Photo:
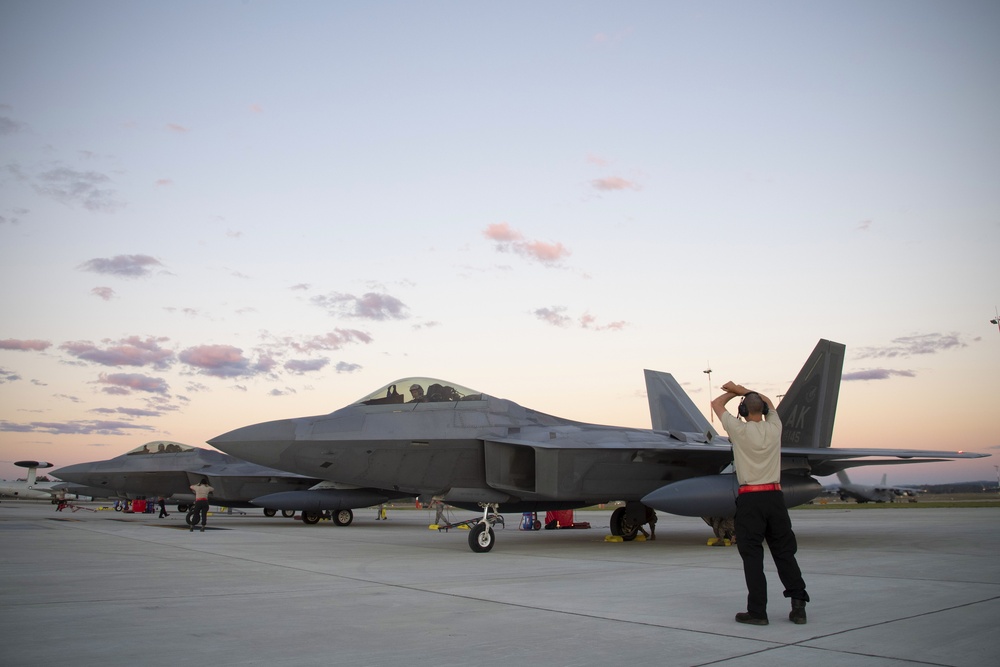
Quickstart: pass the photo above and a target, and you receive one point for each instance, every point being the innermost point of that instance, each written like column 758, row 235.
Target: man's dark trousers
column 761, row 516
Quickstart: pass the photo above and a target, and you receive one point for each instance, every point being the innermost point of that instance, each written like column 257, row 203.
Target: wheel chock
column 463, row 527
column 719, row 542
column 613, row 538
column 639, row 538
column 433, row 526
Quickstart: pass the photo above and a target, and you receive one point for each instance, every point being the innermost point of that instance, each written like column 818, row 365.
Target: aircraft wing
column 718, row 452
column 829, row 461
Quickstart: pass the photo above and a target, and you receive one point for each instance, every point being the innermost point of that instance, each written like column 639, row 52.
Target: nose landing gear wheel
column 481, row 538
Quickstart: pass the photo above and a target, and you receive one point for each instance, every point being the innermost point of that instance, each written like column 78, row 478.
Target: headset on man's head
column 743, row 409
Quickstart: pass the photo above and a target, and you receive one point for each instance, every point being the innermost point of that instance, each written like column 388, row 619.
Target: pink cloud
column 105, row 293
column 588, row 321
column 546, row 253
column 132, row 381
column 612, row 183
column 174, row 127
column 333, row 340
column 85, row 427
column 556, row 316
column 24, row 345
column 131, row 351
column 216, row 360
column 502, row 233
column 300, row 366
column 511, row 240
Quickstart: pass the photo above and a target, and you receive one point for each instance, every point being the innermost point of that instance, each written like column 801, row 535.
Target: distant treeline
column 960, row 487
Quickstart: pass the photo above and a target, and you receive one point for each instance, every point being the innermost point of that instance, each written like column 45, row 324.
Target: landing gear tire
column 310, row 518
column 269, row 512
column 191, row 518
column 343, row 517
column 481, row 538
column 622, row 526
column 288, row 514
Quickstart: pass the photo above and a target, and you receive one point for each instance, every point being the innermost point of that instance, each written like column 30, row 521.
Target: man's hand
column 734, row 388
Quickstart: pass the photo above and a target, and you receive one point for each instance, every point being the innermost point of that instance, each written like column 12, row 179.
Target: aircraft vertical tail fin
column 671, row 409
column 809, row 406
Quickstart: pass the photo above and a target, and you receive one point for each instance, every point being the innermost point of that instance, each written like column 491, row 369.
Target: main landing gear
column 625, row 521
column 339, row 517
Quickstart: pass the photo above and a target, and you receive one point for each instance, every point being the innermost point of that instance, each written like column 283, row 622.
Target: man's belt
column 754, row 488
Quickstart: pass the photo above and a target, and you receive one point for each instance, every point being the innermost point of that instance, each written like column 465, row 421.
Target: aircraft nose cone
column 259, row 443
column 74, row 473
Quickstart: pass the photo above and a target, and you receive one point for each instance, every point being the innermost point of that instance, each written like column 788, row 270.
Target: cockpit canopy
column 420, row 390
column 160, row 447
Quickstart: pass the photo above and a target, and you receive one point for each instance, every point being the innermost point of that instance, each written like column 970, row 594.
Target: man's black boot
column 798, row 613
column 747, row 617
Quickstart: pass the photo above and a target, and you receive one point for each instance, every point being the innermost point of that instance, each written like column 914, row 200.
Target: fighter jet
column 168, row 469
column 33, row 489
column 470, row 449
column 873, row 493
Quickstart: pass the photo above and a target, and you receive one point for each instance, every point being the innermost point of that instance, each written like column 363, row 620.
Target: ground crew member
column 760, row 506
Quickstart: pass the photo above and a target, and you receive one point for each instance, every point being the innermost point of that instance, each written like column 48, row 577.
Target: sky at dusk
column 219, row 213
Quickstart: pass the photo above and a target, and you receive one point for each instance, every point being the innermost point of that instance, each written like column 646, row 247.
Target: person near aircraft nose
column 163, row 507
column 651, row 522
column 201, row 491
column 761, row 514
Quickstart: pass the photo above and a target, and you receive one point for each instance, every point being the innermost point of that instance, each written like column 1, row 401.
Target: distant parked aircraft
column 168, row 469
column 31, row 488
column 877, row 493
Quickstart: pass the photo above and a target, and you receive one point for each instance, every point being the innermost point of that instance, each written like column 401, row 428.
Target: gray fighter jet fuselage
column 470, row 449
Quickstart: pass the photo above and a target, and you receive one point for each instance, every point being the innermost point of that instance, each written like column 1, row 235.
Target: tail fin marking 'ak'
column 809, row 406
column 673, row 411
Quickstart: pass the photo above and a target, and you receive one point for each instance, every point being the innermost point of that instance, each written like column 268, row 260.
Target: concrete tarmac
column 889, row 587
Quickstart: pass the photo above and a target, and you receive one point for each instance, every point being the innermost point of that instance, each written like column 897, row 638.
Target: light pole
column 711, row 412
